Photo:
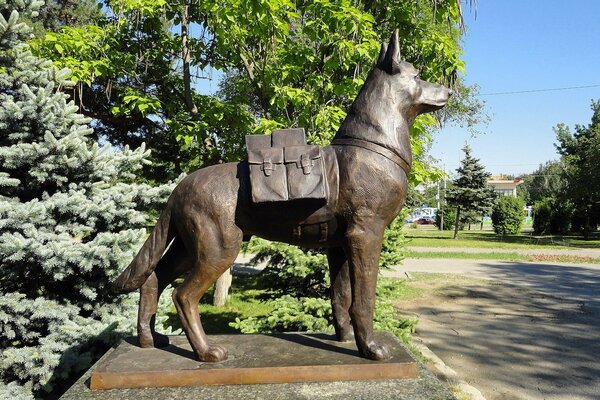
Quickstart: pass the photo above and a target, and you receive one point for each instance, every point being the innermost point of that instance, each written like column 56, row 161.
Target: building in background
column 504, row 187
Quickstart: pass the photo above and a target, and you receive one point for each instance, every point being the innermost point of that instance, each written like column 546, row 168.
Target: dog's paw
column 147, row 340
column 214, row 353
column 377, row 352
column 345, row 335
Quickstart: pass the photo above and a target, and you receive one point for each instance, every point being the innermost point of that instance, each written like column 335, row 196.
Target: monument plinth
column 255, row 359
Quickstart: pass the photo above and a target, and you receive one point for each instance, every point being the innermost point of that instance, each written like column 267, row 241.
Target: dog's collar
column 387, row 153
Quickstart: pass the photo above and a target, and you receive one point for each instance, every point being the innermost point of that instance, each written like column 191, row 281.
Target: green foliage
column 542, row 216
column 552, row 216
column 71, row 217
column 449, row 214
column 290, row 270
column 507, row 215
column 470, row 192
column 546, row 181
column 580, row 152
column 305, row 273
column 393, row 248
column 386, row 318
column 314, row 315
column 285, row 64
column 290, row 314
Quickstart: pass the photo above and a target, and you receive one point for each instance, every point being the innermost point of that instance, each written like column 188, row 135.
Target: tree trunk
column 481, row 226
column 222, row 286
column 185, row 50
column 456, row 221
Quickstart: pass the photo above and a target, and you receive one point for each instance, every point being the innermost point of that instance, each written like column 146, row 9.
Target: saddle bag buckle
column 268, row 167
column 306, row 164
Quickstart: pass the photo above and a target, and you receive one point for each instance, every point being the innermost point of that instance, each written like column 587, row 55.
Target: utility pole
column 443, row 199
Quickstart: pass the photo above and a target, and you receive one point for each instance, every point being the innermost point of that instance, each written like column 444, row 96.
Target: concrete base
column 293, row 358
column 285, row 358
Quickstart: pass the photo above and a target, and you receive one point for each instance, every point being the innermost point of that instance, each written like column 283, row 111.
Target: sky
column 519, row 45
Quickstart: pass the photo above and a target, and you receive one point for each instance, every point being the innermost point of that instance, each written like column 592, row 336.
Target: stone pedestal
column 287, row 366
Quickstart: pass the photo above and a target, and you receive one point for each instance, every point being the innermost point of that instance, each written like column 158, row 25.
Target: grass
column 503, row 256
column 247, row 300
column 431, row 237
column 472, row 256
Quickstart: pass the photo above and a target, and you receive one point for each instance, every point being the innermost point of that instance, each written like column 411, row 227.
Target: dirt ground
column 510, row 338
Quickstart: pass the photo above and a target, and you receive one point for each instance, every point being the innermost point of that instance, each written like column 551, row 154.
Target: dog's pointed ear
column 391, row 60
column 382, row 52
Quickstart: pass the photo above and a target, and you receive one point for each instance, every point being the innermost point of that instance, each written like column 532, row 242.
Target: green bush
column 314, row 315
column 552, row 216
column 542, row 215
column 306, row 314
column 305, row 273
column 449, row 213
column 507, row 215
column 291, row 270
column 301, row 278
column 393, row 249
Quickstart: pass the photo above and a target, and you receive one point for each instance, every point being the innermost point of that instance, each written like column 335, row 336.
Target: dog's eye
column 417, row 76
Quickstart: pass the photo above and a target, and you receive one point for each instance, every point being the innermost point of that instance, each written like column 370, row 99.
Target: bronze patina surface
column 211, row 212
column 254, row 359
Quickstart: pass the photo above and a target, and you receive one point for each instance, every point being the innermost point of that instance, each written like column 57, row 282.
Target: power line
column 540, row 90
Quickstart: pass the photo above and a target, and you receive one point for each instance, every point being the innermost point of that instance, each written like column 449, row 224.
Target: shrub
column 290, row 270
column 542, row 215
column 449, row 213
column 393, row 249
column 301, row 278
column 306, row 314
column 314, row 315
column 305, row 273
column 507, row 215
column 552, row 216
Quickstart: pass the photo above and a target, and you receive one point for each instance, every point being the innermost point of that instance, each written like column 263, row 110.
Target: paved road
column 524, row 331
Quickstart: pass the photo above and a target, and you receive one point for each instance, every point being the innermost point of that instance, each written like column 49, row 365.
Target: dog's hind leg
column 215, row 249
column 171, row 266
column 341, row 293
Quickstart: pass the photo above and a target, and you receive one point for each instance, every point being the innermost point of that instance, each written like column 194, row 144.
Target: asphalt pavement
column 519, row 330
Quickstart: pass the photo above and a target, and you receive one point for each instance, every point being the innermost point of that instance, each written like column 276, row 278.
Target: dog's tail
column 148, row 257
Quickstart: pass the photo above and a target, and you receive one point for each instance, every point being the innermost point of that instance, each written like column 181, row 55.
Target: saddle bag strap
column 306, row 164
column 387, row 153
column 267, row 167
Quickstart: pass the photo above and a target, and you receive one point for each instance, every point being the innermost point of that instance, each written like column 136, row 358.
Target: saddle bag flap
column 254, row 142
column 267, row 174
column 305, row 168
column 288, row 137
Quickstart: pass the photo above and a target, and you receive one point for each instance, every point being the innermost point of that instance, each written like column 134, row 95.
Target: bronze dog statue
column 210, row 213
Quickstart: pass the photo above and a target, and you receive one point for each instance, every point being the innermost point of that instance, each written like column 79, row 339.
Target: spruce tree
column 71, row 217
column 470, row 192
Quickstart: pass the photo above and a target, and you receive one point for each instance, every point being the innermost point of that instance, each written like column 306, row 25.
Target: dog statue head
column 392, row 96
column 413, row 95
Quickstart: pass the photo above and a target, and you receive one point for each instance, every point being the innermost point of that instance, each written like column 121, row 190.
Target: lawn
column 429, row 236
column 249, row 299
column 503, row 256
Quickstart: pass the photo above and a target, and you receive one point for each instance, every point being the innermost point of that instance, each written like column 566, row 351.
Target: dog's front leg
column 363, row 246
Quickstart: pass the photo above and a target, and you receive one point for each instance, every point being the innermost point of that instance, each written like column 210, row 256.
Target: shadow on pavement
column 531, row 333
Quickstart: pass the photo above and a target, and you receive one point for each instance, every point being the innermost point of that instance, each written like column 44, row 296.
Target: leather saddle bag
column 284, row 168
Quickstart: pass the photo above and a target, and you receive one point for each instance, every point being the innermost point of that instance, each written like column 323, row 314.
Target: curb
column 444, row 372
